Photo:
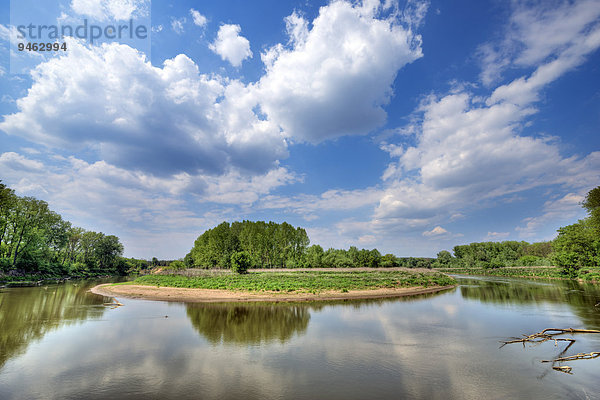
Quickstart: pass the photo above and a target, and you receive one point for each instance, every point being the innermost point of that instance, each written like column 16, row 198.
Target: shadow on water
column 582, row 298
column 29, row 313
column 256, row 323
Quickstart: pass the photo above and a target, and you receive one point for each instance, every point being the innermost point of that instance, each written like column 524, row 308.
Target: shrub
column 177, row 265
column 240, row 262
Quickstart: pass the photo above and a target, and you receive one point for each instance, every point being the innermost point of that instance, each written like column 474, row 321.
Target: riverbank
column 281, row 285
column 43, row 279
column 584, row 274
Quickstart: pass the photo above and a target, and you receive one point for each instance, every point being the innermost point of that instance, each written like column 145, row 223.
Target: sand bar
column 214, row 295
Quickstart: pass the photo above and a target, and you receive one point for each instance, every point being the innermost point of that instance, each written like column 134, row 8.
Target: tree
column 444, row 259
column 576, row 246
column 314, row 256
column 240, row 262
column 592, row 205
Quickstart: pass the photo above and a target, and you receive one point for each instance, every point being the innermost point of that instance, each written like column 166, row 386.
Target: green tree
column 576, row 246
column 314, row 256
column 592, row 205
column 444, row 259
column 240, row 262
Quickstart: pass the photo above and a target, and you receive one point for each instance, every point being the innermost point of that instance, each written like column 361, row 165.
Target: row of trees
column 496, row 254
column 272, row 245
column 575, row 247
column 35, row 239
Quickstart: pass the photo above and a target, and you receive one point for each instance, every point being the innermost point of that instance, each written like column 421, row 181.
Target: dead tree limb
column 580, row 356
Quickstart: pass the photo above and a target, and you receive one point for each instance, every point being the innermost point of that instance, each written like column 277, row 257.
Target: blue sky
column 406, row 126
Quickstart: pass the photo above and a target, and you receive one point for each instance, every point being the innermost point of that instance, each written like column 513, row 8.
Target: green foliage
column 314, row 256
column 444, row 259
column 489, row 254
column 268, row 245
column 592, row 205
column 177, row 265
column 576, row 246
column 304, row 282
column 240, row 262
column 532, row 261
column 36, row 240
column 538, row 249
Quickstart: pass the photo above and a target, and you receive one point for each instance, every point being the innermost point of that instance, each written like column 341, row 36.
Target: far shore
column 220, row 296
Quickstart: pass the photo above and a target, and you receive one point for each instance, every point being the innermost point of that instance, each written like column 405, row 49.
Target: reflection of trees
column 27, row 314
column 581, row 297
column 266, row 322
column 248, row 323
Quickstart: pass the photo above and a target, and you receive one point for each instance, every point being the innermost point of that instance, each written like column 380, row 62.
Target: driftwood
column 565, row 369
column 550, row 334
column 114, row 304
column 580, row 356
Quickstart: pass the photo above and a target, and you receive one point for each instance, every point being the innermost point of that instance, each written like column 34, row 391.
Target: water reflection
column 249, row 323
column 255, row 323
column 580, row 297
column 27, row 314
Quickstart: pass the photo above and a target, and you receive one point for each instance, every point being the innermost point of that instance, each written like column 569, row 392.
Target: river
column 62, row 342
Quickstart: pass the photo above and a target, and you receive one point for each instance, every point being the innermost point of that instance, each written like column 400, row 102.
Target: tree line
column 576, row 246
column 273, row 245
column 37, row 240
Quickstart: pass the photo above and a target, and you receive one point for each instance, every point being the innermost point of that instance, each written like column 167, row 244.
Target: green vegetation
column 575, row 251
column 272, row 245
column 299, row 281
column 36, row 243
column 240, row 262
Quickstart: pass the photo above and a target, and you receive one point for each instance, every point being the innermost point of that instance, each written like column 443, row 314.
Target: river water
column 61, row 342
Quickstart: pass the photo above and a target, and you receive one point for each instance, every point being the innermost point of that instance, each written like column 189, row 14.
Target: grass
column 585, row 274
column 301, row 281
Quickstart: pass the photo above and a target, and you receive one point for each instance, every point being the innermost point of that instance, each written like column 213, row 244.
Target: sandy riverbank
column 212, row 295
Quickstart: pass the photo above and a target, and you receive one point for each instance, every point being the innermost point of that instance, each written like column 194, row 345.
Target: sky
column 406, row 126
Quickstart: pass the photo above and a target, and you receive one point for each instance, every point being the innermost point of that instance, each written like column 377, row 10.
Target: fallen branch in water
column 580, row 356
column 565, row 369
column 549, row 334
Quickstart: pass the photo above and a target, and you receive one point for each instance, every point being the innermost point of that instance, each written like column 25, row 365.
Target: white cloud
column 562, row 210
column 471, row 150
column 11, row 160
column 335, row 78
column 231, row 46
column 494, row 236
column 437, row 231
column 535, row 34
column 157, row 120
column 177, row 25
column 198, row 18
column 103, row 10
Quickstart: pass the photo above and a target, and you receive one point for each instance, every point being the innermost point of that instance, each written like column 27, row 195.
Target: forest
column 37, row 240
column 576, row 246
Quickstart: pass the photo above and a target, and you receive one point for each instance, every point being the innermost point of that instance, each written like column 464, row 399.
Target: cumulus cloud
column 198, row 18
column 335, row 78
column 470, row 149
column 231, row 46
column 168, row 122
column 103, row 10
